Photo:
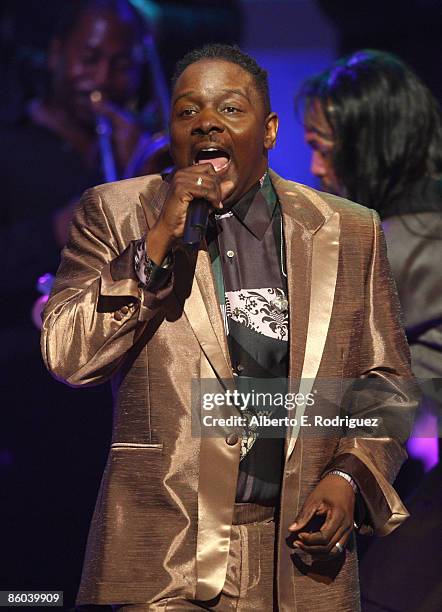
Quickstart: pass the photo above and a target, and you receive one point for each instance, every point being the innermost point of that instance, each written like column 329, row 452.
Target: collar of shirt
column 256, row 208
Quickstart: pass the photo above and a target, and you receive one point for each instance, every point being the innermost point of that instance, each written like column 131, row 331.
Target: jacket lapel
column 204, row 315
column 218, row 461
column 311, row 232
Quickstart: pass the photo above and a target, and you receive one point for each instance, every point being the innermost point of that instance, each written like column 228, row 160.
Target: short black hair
column 72, row 11
column 228, row 53
column 386, row 124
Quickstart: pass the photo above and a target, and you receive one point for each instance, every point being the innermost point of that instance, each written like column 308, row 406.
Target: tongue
column 218, row 163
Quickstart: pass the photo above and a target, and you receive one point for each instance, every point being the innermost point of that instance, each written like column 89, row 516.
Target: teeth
column 213, row 150
column 213, row 155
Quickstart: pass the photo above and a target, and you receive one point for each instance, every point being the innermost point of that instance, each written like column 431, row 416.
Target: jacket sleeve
column 384, row 390
column 97, row 311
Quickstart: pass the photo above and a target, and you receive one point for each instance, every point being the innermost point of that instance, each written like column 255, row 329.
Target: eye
column 324, row 150
column 230, row 110
column 187, row 112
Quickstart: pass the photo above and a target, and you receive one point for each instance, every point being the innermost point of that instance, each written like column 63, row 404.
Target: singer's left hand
column 334, row 499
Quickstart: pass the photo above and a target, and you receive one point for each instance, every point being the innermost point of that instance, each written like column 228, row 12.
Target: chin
column 83, row 116
column 232, row 199
column 330, row 189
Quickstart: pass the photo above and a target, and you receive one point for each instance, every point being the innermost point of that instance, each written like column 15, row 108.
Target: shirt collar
column 256, row 208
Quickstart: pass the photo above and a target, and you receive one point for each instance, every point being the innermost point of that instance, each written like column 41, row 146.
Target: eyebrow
column 325, row 136
column 226, row 91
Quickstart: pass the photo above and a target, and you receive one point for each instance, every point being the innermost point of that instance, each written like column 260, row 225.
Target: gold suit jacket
column 163, row 516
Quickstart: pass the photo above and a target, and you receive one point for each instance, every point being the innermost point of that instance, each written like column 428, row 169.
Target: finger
column 226, row 186
column 192, row 173
column 200, row 182
column 334, row 520
column 316, row 538
column 206, row 189
column 341, row 536
column 330, row 548
column 303, row 517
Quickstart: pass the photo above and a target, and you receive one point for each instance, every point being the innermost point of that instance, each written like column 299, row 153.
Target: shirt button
column 230, row 254
column 232, row 439
column 124, row 309
column 118, row 316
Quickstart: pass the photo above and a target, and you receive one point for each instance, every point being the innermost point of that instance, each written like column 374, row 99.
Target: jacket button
column 232, row 439
column 124, row 309
column 118, row 316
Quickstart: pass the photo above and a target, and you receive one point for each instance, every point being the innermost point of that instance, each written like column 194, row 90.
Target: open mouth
column 219, row 158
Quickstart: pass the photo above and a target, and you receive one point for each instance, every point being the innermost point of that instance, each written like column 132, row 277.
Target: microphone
column 199, row 209
column 103, row 127
column 104, row 131
column 196, row 223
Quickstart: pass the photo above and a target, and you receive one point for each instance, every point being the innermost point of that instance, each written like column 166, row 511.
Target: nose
column 102, row 75
column 317, row 165
column 207, row 121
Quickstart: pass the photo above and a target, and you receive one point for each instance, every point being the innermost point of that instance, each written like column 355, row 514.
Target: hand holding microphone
column 196, row 221
column 198, row 211
column 199, row 184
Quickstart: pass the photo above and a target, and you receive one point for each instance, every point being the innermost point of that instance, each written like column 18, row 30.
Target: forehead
column 95, row 28
column 316, row 121
column 213, row 76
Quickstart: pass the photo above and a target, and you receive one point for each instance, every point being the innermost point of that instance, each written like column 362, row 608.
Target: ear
column 271, row 129
column 54, row 54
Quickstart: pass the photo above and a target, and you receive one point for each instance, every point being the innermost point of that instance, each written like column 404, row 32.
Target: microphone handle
column 196, row 223
column 104, row 131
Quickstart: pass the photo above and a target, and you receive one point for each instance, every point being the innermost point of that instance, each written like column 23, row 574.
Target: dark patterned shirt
column 246, row 248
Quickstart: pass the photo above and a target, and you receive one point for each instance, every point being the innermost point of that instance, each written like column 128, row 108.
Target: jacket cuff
column 152, row 276
column 378, row 509
column 120, row 283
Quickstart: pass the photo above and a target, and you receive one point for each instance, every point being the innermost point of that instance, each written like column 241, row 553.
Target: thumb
column 303, row 518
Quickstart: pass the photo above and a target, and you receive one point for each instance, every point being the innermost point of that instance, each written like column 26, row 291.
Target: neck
column 251, row 192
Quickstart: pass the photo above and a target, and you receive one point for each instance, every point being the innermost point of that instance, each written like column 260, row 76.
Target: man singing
column 288, row 283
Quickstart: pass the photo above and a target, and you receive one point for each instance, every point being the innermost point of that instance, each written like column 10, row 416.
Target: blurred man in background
column 98, row 74
column 376, row 136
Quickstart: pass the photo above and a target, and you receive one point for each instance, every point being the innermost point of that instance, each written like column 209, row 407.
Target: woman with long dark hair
column 376, row 136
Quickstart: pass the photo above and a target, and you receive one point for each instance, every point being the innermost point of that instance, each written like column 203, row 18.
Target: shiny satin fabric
column 324, row 266
column 248, row 586
column 162, row 522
